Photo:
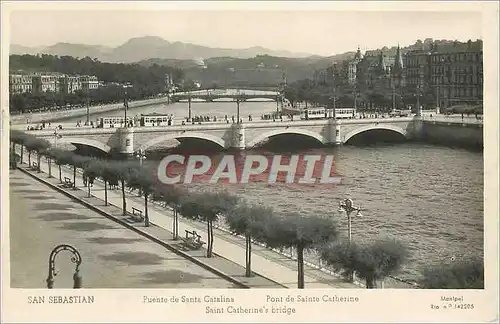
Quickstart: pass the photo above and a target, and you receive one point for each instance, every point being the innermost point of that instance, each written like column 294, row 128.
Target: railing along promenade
column 310, row 258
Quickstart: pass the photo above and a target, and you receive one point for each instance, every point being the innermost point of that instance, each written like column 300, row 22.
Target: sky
column 317, row 30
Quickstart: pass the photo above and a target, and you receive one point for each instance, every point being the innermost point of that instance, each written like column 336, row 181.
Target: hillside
column 143, row 48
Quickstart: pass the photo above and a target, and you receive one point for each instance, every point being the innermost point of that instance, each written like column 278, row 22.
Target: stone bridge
column 239, row 136
column 214, row 94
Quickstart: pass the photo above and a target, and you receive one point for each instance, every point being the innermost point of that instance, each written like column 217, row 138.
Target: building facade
column 352, row 67
column 89, row 82
column 20, row 83
column 69, row 84
column 45, row 83
column 447, row 74
column 55, row 82
column 452, row 74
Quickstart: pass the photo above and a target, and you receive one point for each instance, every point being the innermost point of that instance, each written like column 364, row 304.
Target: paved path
column 113, row 256
column 265, row 262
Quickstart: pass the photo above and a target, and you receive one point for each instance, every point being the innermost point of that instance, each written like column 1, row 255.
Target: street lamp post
column 125, row 102
column 189, row 106
column 393, row 98
column 333, row 114
column 355, row 99
column 237, row 109
column 419, row 112
column 56, row 136
column 88, row 108
column 348, row 207
column 277, row 103
column 76, row 259
column 141, row 155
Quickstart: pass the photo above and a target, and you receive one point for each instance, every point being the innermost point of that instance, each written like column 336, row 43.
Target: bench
column 67, row 183
column 137, row 215
column 192, row 240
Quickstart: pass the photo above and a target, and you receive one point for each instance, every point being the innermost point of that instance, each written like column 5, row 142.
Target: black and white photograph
column 327, row 151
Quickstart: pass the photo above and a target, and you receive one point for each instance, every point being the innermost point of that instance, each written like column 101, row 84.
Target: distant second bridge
column 226, row 94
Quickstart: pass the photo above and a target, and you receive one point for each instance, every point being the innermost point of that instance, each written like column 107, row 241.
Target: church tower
column 381, row 64
column 398, row 69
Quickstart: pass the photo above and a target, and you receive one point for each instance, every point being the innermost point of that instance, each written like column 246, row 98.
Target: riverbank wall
column 53, row 116
column 452, row 134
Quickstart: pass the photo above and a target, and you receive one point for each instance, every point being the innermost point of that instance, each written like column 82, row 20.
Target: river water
column 429, row 197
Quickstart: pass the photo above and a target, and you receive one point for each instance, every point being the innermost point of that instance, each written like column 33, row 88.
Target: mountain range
column 143, row 48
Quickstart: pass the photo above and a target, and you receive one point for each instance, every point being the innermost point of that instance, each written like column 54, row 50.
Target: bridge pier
column 126, row 140
column 333, row 133
column 238, row 136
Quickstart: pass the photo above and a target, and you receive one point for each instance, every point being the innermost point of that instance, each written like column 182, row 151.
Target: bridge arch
column 85, row 141
column 297, row 131
column 367, row 128
column 214, row 139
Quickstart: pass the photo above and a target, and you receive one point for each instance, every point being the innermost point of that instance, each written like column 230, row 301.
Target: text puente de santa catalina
column 128, row 140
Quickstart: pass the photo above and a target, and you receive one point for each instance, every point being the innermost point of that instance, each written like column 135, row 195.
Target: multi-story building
column 45, row 83
column 53, row 82
column 169, row 81
column 69, row 84
column 20, row 83
column 89, row 82
column 375, row 70
column 453, row 74
column 352, row 67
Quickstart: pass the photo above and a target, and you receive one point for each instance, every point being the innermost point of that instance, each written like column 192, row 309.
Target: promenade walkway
column 265, row 262
column 112, row 255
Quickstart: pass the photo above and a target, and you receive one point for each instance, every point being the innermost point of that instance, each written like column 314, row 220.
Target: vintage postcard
column 249, row 162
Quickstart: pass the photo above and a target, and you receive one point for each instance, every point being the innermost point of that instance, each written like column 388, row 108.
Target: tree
column 463, row 274
column 61, row 157
column 20, row 138
column 121, row 172
column 38, row 145
column 78, row 162
column 142, row 179
column 92, row 169
column 370, row 261
column 13, row 159
column 108, row 175
column 208, row 207
column 248, row 220
column 171, row 195
column 146, row 81
column 293, row 230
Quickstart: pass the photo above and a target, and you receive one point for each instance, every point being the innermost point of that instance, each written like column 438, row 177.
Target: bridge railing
column 453, row 119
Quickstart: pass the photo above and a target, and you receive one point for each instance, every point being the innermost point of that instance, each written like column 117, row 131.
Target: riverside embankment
column 266, row 263
column 52, row 116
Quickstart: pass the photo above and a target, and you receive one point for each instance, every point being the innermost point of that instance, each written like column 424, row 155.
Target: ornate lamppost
column 56, row 136
column 75, row 258
column 125, row 102
column 238, row 107
column 141, row 155
column 418, row 95
column 189, row 106
column 348, row 207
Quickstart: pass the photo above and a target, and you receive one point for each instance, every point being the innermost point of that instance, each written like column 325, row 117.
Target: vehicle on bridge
column 400, row 113
column 156, row 119
column 323, row 113
column 111, row 122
